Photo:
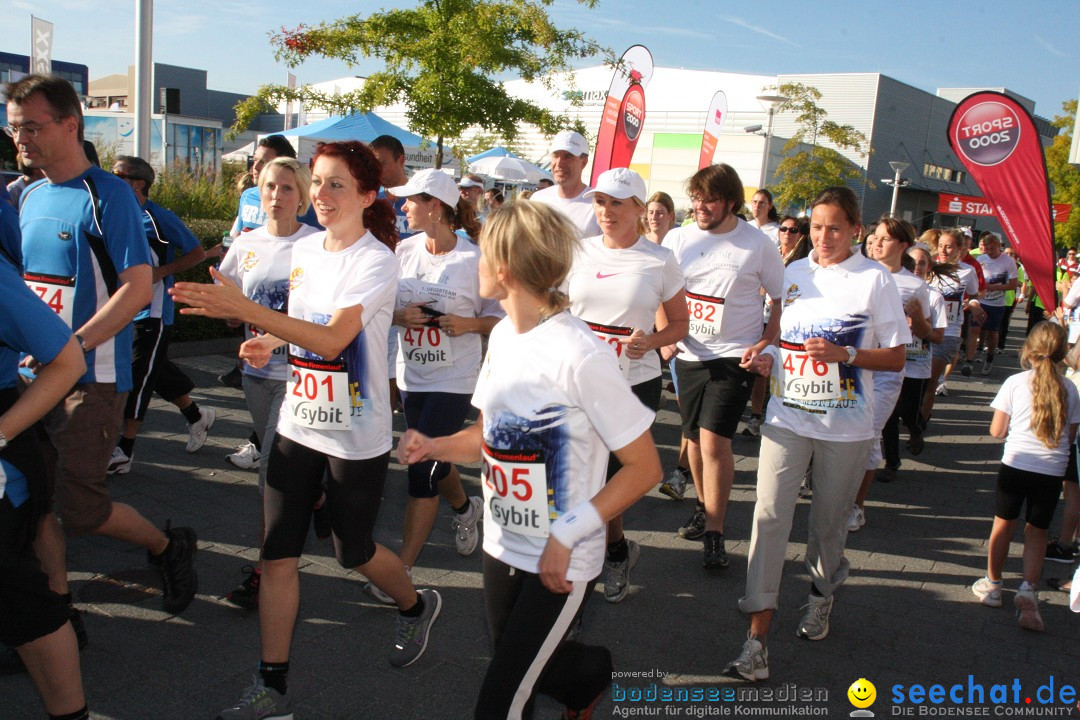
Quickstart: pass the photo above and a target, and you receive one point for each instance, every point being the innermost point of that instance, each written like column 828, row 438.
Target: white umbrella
column 508, row 168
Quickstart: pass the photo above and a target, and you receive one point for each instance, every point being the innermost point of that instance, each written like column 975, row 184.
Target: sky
column 1029, row 48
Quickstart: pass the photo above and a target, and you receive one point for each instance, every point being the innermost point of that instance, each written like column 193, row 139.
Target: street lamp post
column 144, row 34
column 898, row 168
column 769, row 103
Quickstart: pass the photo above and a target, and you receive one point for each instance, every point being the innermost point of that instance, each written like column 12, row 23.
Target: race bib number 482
column 803, row 378
column 515, row 490
column 55, row 291
column 705, row 314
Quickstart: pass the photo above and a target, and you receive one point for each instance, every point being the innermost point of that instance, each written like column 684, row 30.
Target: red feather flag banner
column 624, row 111
column 996, row 139
column 713, row 122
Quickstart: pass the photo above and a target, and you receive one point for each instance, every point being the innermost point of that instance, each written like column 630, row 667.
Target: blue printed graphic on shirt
column 839, row 331
column 399, row 214
column 251, row 215
column 544, row 433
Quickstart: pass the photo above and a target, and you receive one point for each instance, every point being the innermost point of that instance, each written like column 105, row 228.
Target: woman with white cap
column 439, row 318
column 623, row 286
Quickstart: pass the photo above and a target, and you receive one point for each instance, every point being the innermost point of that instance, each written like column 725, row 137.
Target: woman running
column 335, row 420
column 842, row 319
column 552, row 402
column 659, row 216
column 959, row 285
column 622, row 286
column 1036, row 412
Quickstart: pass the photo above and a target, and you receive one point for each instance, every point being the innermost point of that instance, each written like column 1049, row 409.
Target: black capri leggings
column 293, row 485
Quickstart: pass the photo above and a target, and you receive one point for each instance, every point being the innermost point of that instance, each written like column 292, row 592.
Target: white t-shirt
column 771, row 229
column 1072, row 298
column 725, row 273
column 429, row 360
column 851, row 303
column 260, row 263
column 616, row 291
column 917, row 351
column 550, row 396
column 955, row 293
column 321, row 392
column 1023, row 450
column 997, row 271
column 579, row 209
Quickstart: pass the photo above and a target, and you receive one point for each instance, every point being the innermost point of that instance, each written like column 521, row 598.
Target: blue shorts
column 436, row 414
column 993, row 317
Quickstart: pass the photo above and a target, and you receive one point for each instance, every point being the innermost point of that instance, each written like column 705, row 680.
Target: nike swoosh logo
column 601, row 276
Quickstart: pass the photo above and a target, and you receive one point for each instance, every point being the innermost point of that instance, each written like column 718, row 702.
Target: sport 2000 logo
column 988, row 133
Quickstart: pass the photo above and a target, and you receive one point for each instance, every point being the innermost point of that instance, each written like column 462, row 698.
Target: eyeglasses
column 14, row 131
column 788, row 229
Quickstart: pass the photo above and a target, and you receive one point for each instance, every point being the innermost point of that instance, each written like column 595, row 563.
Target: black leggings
column 908, row 406
column 528, row 623
column 294, row 484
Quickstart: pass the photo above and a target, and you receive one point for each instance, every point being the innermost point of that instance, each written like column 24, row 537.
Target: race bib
column 612, row 334
column 318, row 395
column 515, row 490
column 952, row 311
column 426, row 348
column 55, row 291
column 705, row 314
column 803, row 378
column 916, row 350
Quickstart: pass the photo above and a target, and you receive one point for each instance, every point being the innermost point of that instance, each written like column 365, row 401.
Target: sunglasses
column 122, row 176
column 789, row 229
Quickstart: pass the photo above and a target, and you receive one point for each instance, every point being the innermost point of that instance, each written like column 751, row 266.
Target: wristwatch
column 3, row 441
column 82, row 343
column 851, row 353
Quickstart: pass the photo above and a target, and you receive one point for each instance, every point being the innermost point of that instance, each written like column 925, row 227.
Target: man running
column 569, row 156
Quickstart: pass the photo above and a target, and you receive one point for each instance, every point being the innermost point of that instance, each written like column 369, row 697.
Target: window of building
column 937, row 172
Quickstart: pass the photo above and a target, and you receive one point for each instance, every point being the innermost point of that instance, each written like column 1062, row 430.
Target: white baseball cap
column 619, row 183
column 434, row 182
column 570, row 141
column 468, row 182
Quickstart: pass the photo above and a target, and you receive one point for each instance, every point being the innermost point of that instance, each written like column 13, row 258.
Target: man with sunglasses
column 85, row 255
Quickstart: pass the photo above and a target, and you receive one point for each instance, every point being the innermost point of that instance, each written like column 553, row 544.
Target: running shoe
column 752, row 663
column 753, row 428
column 233, row 379
column 617, row 574
column 674, row 485
column 942, row 389
column 965, row 369
column 715, row 556
column 886, row 474
column 987, row 366
column 804, row 488
column 857, row 519
column 246, row 594
column 120, row 463
column 1056, row 553
column 259, row 703
column 466, row 532
column 246, row 457
column 1026, row 602
column 413, row 633
column 915, row 444
column 694, row 529
column 197, row 430
column 177, row 568
column 989, row 593
column 373, row 590
column 815, row 623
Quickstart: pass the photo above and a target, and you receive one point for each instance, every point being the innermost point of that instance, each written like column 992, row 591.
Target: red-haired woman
column 336, row 418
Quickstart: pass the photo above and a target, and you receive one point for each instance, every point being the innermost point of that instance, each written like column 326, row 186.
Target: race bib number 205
column 515, row 490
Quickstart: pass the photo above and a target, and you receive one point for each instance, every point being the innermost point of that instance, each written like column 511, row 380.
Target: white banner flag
column 41, row 40
column 291, row 84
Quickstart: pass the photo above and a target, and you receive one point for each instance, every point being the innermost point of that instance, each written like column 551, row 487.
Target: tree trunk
column 438, row 153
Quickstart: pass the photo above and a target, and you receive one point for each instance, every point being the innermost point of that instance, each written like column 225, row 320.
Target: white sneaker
column 466, row 533
column 1026, row 602
column 371, row 589
column 942, row 389
column 120, row 463
column 988, row 592
column 197, row 431
column 815, row 623
column 857, row 519
column 752, row 663
column 246, row 457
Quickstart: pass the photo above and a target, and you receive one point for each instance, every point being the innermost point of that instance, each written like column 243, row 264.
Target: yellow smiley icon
column 862, row 693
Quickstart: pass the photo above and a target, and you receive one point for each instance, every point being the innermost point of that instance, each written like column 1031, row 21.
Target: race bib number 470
column 803, row 378
column 705, row 314
column 318, row 394
column 55, row 291
column 426, row 348
column 515, row 490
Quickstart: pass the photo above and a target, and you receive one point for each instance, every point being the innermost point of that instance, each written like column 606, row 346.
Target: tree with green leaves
column 803, row 173
column 1065, row 178
column 441, row 60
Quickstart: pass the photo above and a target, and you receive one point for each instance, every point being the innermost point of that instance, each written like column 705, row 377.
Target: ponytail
column 381, row 221
column 1046, row 346
column 464, row 215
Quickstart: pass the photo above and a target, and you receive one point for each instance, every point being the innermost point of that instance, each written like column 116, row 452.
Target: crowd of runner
column 362, row 291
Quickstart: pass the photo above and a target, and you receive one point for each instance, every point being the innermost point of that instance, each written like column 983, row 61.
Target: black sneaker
column 886, row 474
column 233, row 379
column 177, row 568
column 246, row 594
column 965, row 369
column 715, row 557
column 694, row 529
column 1059, row 554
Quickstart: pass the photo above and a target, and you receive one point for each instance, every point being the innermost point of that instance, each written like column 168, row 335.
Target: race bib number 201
column 515, row 490
column 804, row 378
column 318, row 394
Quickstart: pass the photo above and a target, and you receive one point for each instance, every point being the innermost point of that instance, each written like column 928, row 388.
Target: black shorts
column 1039, row 492
column 28, row 608
column 151, row 369
column 1071, row 474
column 648, row 393
column 294, row 484
column 712, row 395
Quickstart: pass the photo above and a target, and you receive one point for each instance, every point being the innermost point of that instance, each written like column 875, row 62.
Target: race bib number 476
column 515, row 490
column 803, row 378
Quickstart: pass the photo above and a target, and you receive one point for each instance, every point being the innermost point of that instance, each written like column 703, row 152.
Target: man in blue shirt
column 85, row 255
column 151, row 368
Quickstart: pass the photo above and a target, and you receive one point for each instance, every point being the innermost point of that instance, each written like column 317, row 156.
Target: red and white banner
column 713, row 122
column 624, row 111
column 996, row 139
column 952, row 204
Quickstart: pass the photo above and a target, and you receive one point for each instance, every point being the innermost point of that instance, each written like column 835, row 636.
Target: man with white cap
column 569, row 156
column 471, row 189
column 726, row 262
